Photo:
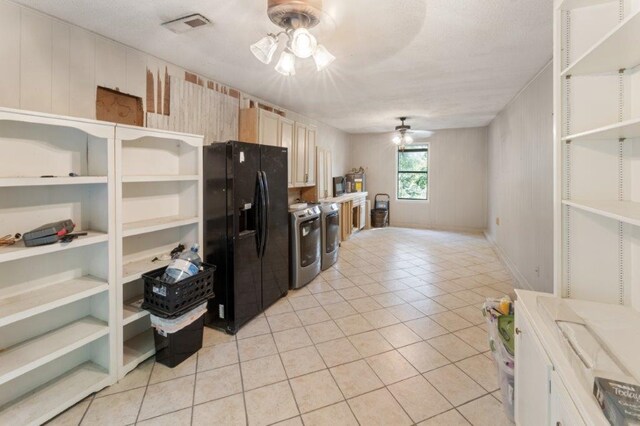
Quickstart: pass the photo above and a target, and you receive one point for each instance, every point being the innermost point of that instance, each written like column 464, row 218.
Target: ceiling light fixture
column 404, row 134
column 295, row 17
column 287, row 63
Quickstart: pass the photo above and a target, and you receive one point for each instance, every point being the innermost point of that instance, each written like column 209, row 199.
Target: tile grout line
column 244, row 396
column 195, row 384
column 145, row 392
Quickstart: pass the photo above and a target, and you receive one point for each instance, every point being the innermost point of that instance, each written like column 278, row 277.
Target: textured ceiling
column 447, row 63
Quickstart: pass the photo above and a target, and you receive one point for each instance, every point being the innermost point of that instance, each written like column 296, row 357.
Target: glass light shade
column 322, row 57
column 264, row 49
column 407, row 139
column 303, row 43
column 287, row 63
column 397, row 139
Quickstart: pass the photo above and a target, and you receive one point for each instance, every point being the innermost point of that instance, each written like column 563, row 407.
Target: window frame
column 423, row 147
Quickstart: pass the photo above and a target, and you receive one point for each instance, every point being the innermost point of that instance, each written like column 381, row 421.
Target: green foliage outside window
column 413, row 173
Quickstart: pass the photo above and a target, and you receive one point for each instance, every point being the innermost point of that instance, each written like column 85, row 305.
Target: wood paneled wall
column 521, row 183
column 457, row 179
column 51, row 66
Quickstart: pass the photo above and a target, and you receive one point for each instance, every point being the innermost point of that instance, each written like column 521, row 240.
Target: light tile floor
column 391, row 335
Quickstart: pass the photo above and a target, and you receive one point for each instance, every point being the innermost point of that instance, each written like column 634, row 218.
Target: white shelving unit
column 158, row 177
column 597, row 104
column 57, row 302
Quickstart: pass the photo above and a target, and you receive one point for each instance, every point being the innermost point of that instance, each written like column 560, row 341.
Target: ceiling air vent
column 186, row 23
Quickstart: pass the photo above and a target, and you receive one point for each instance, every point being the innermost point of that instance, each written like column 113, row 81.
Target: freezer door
column 275, row 260
column 247, row 269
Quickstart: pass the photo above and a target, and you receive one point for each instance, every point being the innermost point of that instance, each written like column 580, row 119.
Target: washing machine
column 305, row 235
column 330, row 241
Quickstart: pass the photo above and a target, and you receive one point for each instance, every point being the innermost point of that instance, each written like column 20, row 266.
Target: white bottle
column 184, row 266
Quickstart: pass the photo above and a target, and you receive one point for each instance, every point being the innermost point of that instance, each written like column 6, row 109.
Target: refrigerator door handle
column 265, row 213
column 258, row 214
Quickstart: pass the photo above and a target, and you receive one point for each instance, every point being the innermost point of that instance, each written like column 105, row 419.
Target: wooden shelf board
column 156, row 224
column 33, row 353
column 134, row 270
column 7, row 182
column 624, row 130
column 23, row 305
column 616, row 50
column 131, row 313
column 55, row 396
column 19, row 251
column 137, row 349
column 576, row 4
column 159, row 178
column 623, row 211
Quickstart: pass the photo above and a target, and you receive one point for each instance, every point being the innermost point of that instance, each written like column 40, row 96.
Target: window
column 413, row 173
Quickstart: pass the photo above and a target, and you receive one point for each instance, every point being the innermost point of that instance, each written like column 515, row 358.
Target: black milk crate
column 171, row 300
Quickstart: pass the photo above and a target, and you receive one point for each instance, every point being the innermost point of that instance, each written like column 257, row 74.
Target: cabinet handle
column 518, row 331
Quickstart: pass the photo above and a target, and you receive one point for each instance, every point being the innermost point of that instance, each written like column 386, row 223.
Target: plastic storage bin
column 492, row 310
column 172, row 300
column 173, row 348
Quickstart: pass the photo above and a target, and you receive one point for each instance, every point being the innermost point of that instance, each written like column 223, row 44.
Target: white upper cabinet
column 286, row 141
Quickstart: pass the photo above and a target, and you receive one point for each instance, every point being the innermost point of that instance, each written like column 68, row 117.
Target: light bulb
column 303, row 43
column 322, row 57
column 397, row 139
column 408, row 139
column 287, row 63
column 264, row 48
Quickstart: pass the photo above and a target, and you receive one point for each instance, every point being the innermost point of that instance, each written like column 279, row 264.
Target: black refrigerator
column 246, row 230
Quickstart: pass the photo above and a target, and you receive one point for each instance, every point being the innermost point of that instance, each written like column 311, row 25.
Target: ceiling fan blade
column 420, row 133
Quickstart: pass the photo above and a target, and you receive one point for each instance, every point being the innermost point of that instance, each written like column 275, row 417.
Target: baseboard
column 522, row 281
column 439, row 228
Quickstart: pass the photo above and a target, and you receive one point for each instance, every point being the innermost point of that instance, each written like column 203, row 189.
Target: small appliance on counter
column 338, row 186
column 355, row 181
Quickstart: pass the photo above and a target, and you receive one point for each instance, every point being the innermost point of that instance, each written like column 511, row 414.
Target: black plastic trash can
column 173, row 348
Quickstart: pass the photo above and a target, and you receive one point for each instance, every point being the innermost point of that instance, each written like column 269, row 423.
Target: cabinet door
column 311, row 156
column 363, row 214
column 321, row 182
column 563, row 411
column 300, row 155
column 269, row 128
column 532, row 380
column 286, row 141
column 328, row 173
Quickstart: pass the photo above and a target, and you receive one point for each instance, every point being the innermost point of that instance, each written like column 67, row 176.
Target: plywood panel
column 35, row 61
column 10, row 54
column 82, row 86
column 60, row 72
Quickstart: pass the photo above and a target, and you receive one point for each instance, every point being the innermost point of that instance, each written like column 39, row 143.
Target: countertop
column 346, row 197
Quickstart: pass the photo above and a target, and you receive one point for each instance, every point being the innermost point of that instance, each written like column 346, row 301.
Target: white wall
column 457, row 178
column 521, row 183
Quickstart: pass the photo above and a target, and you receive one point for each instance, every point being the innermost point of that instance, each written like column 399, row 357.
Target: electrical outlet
column 498, row 221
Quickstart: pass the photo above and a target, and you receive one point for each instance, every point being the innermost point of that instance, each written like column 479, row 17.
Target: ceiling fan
column 406, row 136
column 295, row 17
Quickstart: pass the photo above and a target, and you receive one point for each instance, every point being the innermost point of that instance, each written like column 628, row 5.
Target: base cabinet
column 562, row 411
column 532, row 376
